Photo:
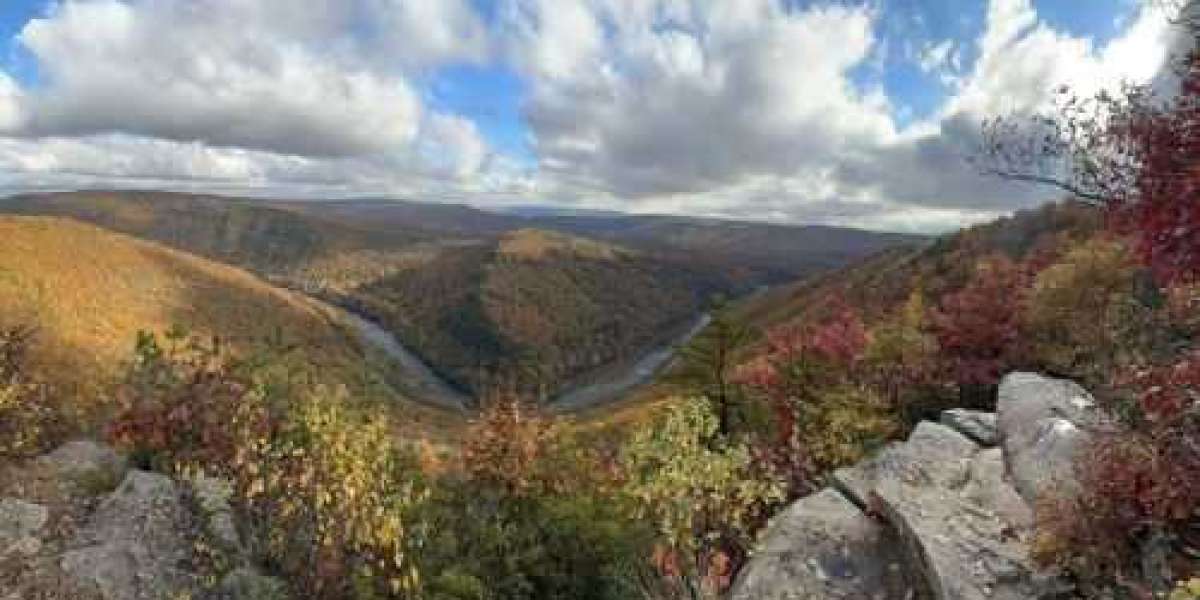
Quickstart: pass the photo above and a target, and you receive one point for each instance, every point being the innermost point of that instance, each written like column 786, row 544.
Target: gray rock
column 962, row 551
column 933, row 455
column 20, row 522
column 823, row 547
column 212, row 497
column 988, row 486
column 963, row 526
column 1043, row 423
column 132, row 546
column 960, row 522
column 979, row 426
column 87, row 462
column 248, row 584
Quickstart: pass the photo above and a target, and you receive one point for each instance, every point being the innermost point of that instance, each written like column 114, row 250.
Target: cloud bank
column 740, row 108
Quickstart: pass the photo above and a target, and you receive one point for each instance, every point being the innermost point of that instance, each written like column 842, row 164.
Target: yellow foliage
column 1081, row 309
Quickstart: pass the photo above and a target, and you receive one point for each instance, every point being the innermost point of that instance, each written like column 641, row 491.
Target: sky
column 797, row 111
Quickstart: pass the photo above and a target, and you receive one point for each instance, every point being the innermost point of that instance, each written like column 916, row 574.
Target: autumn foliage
column 977, row 327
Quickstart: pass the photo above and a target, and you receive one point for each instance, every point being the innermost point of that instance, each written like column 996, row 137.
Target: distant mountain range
column 530, row 299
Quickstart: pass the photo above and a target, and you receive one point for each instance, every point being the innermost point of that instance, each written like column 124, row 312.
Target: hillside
column 483, row 297
column 534, row 310
column 882, row 282
column 241, row 232
column 753, row 253
column 88, row 292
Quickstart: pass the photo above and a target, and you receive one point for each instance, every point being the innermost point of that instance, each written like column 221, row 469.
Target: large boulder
column 87, row 462
column 962, row 526
column 1043, row 423
column 979, row 426
column 933, row 455
column 20, row 524
column 824, row 547
column 134, row 544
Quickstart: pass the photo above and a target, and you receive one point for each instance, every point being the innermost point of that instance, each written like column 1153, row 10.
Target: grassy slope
column 89, row 291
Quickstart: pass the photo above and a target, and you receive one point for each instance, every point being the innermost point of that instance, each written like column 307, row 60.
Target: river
column 426, row 386
column 419, row 380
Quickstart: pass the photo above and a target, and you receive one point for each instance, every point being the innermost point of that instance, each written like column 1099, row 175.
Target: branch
column 1092, row 198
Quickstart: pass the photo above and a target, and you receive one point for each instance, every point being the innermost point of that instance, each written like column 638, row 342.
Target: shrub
column 977, row 326
column 1141, row 484
column 705, row 495
column 317, row 477
column 30, row 419
column 532, row 512
column 1082, row 318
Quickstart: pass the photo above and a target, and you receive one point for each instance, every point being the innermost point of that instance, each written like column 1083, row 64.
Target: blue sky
column 490, row 94
column 795, row 110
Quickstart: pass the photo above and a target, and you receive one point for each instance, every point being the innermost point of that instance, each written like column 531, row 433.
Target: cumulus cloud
column 247, row 95
column 671, row 99
column 735, row 108
column 228, row 75
column 750, row 108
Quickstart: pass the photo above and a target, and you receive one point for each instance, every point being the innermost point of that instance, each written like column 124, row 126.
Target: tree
column 901, row 356
column 708, row 362
column 706, row 500
column 1133, row 152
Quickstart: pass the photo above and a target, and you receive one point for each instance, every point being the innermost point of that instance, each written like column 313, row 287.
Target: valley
column 471, row 302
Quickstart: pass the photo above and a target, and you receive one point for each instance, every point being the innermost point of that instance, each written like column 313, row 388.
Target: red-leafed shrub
column 978, row 327
column 1162, row 207
column 823, row 415
column 1141, row 489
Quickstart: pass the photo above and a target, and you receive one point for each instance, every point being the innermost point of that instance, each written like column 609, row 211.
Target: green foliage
column 532, row 514
column 846, row 425
column 705, row 495
column 707, row 363
column 1082, row 318
column 317, row 474
column 1187, row 590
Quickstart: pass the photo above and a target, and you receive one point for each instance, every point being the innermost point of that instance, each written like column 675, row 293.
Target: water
column 419, row 380
column 424, row 385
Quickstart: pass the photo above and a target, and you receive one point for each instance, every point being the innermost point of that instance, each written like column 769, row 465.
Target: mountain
column 535, row 309
column 535, row 301
column 882, row 282
column 89, row 291
column 756, row 253
column 248, row 233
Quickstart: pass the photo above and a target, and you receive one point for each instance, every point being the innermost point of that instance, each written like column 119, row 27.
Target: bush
column 1082, row 318
column 318, row 478
column 533, row 513
column 30, row 420
column 1141, row 487
column 705, row 494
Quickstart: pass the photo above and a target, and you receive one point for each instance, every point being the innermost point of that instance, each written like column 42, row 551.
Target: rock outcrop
column 1042, row 423
column 20, row 523
column 83, row 526
column 847, row 555
column 946, row 514
column 133, row 544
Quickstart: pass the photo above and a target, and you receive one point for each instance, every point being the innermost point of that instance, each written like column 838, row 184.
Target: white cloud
column 228, row 74
column 650, row 98
column 934, row 57
column 736, row 108
column 10, row 101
